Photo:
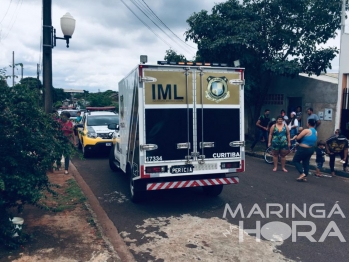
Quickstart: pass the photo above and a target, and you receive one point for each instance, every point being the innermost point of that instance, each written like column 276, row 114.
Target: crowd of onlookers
column 282, row 132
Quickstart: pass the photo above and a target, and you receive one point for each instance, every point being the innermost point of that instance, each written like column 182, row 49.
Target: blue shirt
column 310, row 140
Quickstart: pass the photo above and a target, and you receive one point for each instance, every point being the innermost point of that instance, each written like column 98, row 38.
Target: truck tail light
column 156, row 169
column 227, row 165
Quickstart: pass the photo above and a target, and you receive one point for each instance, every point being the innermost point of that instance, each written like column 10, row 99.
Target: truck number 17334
column 153, row 158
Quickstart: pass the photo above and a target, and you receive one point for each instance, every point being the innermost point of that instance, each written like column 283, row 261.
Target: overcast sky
column 107, row 41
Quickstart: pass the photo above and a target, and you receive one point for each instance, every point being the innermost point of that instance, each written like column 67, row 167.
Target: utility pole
column 13, row 68
column 38, row 83
column 47, row 54
column 343, row 68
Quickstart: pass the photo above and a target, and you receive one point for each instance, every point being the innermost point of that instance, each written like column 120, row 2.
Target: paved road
column 185, row 225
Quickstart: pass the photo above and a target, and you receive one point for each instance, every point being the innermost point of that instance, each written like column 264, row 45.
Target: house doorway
column 293, row 103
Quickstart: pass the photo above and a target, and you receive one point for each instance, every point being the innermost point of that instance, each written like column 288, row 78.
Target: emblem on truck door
column 217, row 89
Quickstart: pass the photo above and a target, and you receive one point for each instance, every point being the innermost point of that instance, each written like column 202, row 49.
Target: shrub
column 30, row 142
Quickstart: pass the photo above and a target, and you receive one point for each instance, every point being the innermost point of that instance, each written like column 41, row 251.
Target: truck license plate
column 108, row 144
column 182, row 169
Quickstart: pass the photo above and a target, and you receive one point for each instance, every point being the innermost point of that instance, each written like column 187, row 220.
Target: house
column 317, row 92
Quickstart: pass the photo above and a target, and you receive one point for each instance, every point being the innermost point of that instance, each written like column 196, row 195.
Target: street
column 186, row 225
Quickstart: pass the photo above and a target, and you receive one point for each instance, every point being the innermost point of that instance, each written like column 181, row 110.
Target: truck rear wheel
column 213, row 190
column 112, row 165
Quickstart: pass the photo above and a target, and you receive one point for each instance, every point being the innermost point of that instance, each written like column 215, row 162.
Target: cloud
column 107, row 41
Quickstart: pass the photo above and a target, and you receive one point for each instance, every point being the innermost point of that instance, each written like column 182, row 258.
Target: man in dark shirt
column 337, row 145
column 262, row 124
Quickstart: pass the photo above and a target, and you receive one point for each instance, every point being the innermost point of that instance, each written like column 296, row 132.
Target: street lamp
column 49, row 41
column 67, row 26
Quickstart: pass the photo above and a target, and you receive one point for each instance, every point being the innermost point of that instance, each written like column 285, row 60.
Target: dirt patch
column 67, row 235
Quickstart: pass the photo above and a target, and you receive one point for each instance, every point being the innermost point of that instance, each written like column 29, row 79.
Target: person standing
column 284, row 116
column 78, row 117
column 320, row 157
column 77, row 121
column 262, row 124
column 299, row 115
column 311, row 115
column 68, row 130
column 337, row 145
column 306, row 139
column 279, row 139
column 293, row 126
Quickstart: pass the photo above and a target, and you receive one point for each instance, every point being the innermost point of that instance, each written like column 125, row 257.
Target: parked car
column 93, row 132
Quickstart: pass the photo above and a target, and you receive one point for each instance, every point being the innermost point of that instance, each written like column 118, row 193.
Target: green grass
column 69, row 199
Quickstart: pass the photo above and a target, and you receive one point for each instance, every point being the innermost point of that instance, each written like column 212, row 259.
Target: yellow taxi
column 93, row 132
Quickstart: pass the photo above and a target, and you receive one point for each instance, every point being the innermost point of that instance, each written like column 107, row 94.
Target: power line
column 15, row 15
column 145, row 23
column 6, row 12
column 167, row 26
column 149, row 18
column 141, row 8
column 144, row 9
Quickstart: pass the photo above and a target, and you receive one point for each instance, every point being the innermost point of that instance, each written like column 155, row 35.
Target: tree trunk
column 254, row 106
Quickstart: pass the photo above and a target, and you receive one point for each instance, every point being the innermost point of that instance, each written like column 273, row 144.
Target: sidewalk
column 259, row 149
column 76, row 231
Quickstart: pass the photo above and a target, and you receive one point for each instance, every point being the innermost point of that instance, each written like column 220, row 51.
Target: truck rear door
column 219, row 120
column 192, row 113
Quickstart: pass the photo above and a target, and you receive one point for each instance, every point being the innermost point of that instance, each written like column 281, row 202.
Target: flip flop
column 302, row 179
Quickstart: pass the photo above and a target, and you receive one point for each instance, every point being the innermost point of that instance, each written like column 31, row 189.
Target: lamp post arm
column 66, row 38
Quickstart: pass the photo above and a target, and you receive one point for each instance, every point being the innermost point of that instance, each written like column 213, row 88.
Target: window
column 102, row 120
column 274, row 99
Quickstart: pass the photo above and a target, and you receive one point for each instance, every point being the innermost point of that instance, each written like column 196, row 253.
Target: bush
column 30, row 142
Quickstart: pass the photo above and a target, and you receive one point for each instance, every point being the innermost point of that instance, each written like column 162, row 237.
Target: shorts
column 319, row 164
column 281, row 151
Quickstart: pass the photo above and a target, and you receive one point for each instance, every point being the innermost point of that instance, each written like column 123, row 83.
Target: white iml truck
column 180, row 125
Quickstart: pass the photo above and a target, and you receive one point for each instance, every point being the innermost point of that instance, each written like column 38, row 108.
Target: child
column 320, row 157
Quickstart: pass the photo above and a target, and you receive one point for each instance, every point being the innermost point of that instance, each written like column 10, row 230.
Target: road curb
column 108, row 227
column 312, row 167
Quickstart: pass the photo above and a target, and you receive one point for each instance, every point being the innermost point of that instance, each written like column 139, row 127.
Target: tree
column 30, row 142
column 172, row 56
column 31, row 82
column 60, row 95
column 269, row 37
column 100, row 99
column 3, row 77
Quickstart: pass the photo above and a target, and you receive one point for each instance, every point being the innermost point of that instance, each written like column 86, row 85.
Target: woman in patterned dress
column 279, row 139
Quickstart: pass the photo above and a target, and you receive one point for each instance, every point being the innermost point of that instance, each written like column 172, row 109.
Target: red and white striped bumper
column 193, row 183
